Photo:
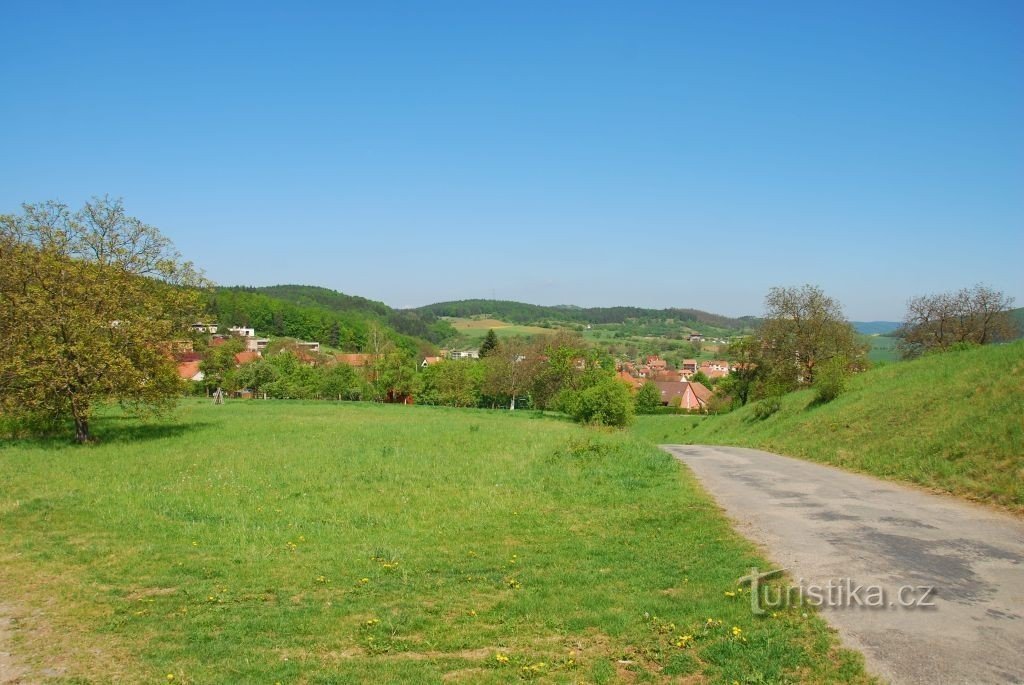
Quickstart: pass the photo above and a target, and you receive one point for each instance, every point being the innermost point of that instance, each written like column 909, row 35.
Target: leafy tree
column 219, row 362
column 510, row 369
column 489, row 344
column 568, row 364
column 90, row 301
column 744, row 356
column 608, row 403
column 978, row 315
column 339, row 381
column 648, row 398
column 804, row 328
column 453, row 383
column 702, row 378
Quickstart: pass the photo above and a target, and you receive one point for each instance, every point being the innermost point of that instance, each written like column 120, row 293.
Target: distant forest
column 521, row 313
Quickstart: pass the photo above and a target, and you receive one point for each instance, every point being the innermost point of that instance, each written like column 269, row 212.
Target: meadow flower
column 501, row 658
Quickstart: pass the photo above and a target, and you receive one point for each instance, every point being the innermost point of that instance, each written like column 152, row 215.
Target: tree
column 90, row 302
column 220, row 362
column 744, row 356
column 978, row 315
column 648, row 398
column 608, row 403
column 489, row 344
column 451, row 383
column 510, row 369
column 804, row 328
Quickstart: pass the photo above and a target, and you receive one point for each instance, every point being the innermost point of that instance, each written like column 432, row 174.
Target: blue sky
column 654, row 154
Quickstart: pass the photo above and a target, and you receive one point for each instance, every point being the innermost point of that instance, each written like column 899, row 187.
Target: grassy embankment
column 952, row 422
column 313, row 542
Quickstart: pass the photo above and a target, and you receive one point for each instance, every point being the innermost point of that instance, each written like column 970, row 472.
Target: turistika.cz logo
column 836, row 593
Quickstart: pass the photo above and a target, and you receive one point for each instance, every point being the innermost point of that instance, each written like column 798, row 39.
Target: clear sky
column 652, row 154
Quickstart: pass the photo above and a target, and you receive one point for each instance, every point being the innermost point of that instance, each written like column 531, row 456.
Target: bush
column 607, row 403
column 766, row 407
column 830, row 380
column 648, row 398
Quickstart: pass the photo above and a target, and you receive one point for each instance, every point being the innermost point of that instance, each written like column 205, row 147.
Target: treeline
column 409, row 322
column 523, row 313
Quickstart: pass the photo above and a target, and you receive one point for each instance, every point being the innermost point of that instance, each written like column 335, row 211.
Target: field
column 882, row 348
column 474, row 330
column 336, row 543
column 952, row 422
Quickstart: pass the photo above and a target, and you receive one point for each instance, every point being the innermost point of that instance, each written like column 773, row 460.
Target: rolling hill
column 532, row 314
column 335, row 319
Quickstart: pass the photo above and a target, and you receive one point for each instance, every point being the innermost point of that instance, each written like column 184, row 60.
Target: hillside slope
column 342, row 322
column 953, row 422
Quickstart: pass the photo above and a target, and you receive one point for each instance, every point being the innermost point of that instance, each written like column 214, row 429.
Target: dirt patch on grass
column 10, row 670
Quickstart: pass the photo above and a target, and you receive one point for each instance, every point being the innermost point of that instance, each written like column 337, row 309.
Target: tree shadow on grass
column 110, row 430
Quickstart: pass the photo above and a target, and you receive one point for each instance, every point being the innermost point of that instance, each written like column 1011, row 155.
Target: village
column 685, row 388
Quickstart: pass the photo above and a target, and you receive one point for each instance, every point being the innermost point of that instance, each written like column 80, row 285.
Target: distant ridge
column 524, row 313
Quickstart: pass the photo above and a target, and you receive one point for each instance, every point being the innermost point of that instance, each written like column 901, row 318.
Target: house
column 464, row 354
column 692, row 396
column 182, row 357
column 256, row 344
column 715, row 368
column 247, row 357
column 189, row 371
column 696, row 338
column 656, row 363
column 430, row 361
column 243, row 331
column 690, row 365
column 625, row 377
column 310, row 346
column 203, row 327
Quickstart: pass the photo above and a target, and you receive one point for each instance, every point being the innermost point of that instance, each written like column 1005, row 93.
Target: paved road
column 824, row 524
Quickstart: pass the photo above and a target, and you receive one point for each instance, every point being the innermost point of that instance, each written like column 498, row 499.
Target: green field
column 953, row 422
column 882, row 348
column 266, row 542
column 473, row 330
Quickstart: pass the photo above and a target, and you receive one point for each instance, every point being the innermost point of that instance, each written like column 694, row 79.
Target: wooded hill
column 329, row 317
column 522, row 313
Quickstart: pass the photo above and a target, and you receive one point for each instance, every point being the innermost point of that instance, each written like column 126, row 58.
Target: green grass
column 336, row 543
column 473, row 330
column 952, row 422
column 882, row 348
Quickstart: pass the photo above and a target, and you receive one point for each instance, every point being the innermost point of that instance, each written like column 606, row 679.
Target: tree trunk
column 512, row 405
column 81, row 429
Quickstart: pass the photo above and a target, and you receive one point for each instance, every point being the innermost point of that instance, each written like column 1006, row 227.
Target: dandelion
column 364, row 581
column 736, row 631
column 472, row 612
column 729, row 593
column 170, row 677
column 501, row 658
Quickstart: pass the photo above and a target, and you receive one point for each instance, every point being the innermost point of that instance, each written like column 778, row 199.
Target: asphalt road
column 824, row 524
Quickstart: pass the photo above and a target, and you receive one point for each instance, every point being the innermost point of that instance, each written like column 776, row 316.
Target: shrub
column 766, row 407
column 648, row 398
column 830, row 380
column 606, row 403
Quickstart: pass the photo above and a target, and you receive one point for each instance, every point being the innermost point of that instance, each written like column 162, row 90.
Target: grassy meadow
column 291, row 542
column 953, row 422
column 474, row 330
